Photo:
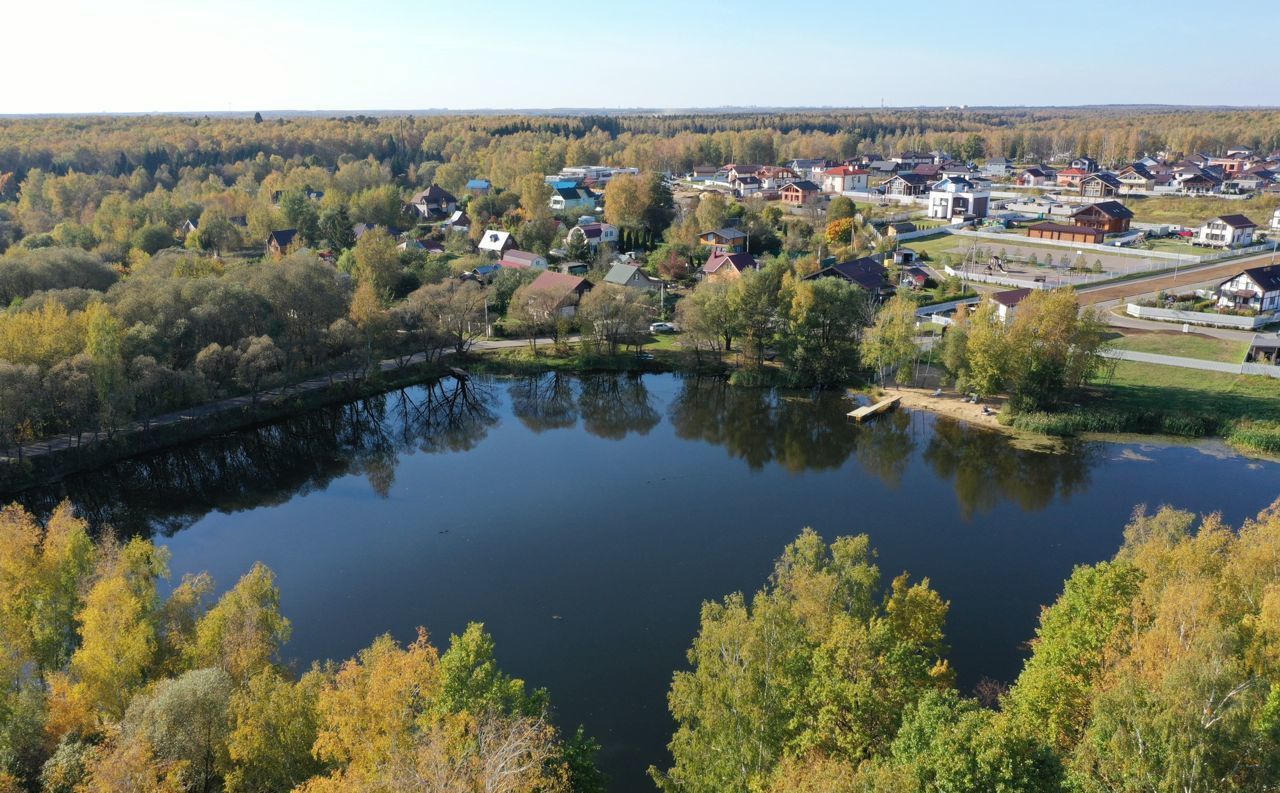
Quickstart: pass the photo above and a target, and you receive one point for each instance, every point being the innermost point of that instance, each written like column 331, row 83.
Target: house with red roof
column 727, row 267
column 843, row 179
column 565, row 290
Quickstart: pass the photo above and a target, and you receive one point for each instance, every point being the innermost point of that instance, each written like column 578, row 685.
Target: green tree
column 273, row 727
column 814, row 662
column 841, row 208
column 826, row 318
column 186, row 721
column 891, row 341
column 244, row 632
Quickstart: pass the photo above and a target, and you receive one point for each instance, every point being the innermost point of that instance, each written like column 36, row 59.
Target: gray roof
column 621, row 274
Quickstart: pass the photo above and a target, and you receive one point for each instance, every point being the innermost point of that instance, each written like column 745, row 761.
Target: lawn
column 1186, row 345
column 1171, row 389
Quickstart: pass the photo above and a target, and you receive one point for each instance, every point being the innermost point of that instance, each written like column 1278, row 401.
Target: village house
column 1086, row 164
column 957, row 169
column 702, row 173
column 565, row 291
column 1257, row 288
column 867, row 272
column 746, row 185
column 997, row 168
column 726, row 267
column 433, row 203
column 726, row 240
column 956, row 198
column 800, row 193
column 567, row 198
column 1135, row 177
column 911, row 159
column 1070, row 177
column 844, row 179
column 278, row 242
column 805, row 167
column 522, row 260
column 1007, row 302
column 632, row 276
column 458, row 221
column 907, row 184
column 1099, row 185
column 775, row 177
column 479, row 187
column 496, row 242
column 1227, row 231
column 593, row 234
column 1037, row 176
column 1065, row 233
column 733, row 171
column 1109, row 217
column 1275, row 220
column 895, row 229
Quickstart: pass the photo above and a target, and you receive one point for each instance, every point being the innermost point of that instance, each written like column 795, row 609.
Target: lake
column 584, row 520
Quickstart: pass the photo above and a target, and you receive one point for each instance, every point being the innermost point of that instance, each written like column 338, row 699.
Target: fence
column 1200, row 317
column 1014, row 239
column 994, row 279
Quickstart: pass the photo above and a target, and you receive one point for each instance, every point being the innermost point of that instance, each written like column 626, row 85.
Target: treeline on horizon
column 1157, row 670
column 118, row 145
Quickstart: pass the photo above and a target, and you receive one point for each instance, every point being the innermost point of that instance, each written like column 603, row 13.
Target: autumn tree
column 891, row 341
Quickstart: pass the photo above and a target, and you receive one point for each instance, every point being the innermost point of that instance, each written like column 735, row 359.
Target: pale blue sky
column 246, row 55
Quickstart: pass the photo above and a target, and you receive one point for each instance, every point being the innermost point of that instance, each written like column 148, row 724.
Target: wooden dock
column 874, row 410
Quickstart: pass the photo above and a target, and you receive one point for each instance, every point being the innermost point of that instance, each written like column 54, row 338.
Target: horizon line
column 628, row 110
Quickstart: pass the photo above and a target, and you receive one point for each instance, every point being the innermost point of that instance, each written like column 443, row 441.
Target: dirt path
column 1185, row 278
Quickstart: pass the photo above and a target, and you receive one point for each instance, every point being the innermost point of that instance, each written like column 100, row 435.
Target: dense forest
column 1154, row 671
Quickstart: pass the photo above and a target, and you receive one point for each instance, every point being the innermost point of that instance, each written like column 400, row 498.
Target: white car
column 662, row 327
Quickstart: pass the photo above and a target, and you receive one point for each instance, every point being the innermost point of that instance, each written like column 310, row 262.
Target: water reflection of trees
column 812, row 432
column 272, row 463
column 611, row 406
column 987, row 468
column 762, row 426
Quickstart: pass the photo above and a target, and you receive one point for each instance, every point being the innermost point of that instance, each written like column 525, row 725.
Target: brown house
column 278, row 242
column 726, row 240
column 800, row 193
column 1058, row 231
column 1109, row 217
column 1100, row 185
column 564, row 290
column 727, row 267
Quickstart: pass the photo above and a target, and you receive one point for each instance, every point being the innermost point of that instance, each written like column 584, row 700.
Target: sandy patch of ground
column 949, row 403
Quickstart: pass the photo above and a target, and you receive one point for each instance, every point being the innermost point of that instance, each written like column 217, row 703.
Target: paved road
column 65, row 442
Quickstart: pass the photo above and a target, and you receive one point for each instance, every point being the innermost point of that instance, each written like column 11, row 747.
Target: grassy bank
column 1166, row 400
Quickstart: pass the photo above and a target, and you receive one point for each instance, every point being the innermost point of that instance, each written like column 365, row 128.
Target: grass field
column 1186, row 345
column 1142, row 386
column 1192, row 211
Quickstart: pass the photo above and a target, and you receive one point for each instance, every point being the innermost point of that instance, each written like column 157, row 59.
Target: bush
column 1258, row 436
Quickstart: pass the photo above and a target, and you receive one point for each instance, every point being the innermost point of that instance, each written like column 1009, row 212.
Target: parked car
column 662, row 327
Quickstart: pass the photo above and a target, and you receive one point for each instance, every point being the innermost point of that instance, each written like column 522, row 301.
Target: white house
column 955, row 198
column 844, row 179
column 1227, row 231
column 1257, row 288
column 570, row 198
column 1275, row 220
column 1007, row 302
column 498, row 242
column 594, row 234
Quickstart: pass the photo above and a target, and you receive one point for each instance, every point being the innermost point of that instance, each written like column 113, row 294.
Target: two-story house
column 1257, row 288
column 1227, row 231
column 957, row 198
column 843, row 179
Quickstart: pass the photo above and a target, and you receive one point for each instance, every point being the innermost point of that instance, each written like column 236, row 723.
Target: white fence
column 1200, row 317
column 994, row 279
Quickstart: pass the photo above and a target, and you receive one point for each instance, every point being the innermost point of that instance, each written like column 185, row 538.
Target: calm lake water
column 584, row 521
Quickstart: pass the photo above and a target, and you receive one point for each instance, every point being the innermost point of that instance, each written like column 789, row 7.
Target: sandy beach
column 949, row 403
